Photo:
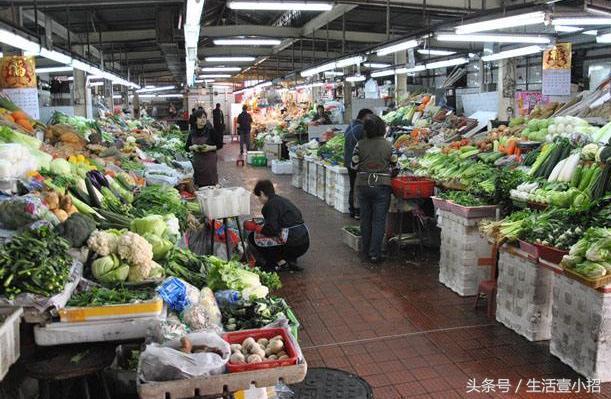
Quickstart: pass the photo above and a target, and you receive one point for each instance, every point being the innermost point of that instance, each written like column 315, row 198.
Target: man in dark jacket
column 218, row 120
column 353, row 134
column 192, row 120
column 283, row 237
column 244, row 124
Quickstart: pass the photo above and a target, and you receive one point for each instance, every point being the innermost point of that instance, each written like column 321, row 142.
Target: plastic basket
column 239, row 336
column 407, row 187
column 9, row 338
column 529, row 248
column 440, row 203
column 350, row 239
column 551, row 254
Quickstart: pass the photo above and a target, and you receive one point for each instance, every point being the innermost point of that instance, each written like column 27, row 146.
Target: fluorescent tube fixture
column 334, row 73
column 379, row 74
column 309, row 86
column 92, row 84
column 220, row 69
column 417, row 68
column 397, row 47
column 17, row 41
column 516, row 52
column 247, row 42
column 447, row 63
column 264, row 84
column 531, row 18
column 177, row 95
column 54, row 69
column 333, row 65
column 160, row 88
column 376, row 65
column 212, row 76
column 496, row 38
column 55, row 56
column 580, row 21
column 430, row 51
column 567, row 29
column 592, row 32
column 281, row 5
column 349, row 61
column 229, row 59
column 606, row 38
column 355, row 78
column 83, row 66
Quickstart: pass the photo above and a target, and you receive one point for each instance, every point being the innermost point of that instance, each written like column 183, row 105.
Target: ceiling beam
column 118, row 36
column 258, row 52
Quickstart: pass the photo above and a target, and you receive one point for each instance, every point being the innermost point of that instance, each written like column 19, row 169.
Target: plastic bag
column 204, row 315
column 169, row 329
column 178, row 294
column 18, row 212
column 167, row 363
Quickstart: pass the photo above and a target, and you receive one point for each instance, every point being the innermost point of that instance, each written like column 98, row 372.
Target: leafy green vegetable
column 100, row 296
column 160, row 200
column 109, row 269
column 463, row 198
column 231, row 275
column 151, row 224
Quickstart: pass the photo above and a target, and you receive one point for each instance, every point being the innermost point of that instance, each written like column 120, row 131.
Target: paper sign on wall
column 556, row 77
column 526, row 101
column 26, row 99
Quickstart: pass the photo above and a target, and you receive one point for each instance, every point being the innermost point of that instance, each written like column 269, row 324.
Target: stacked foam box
column 297, row 167
column 330, row 178
column 282, row 167
column 581, row 327
column 272, row 151
column 461, row 247
column 320, row 180
column 524, row 295
column 312, row 177
column 305, row 181
column 342, row 189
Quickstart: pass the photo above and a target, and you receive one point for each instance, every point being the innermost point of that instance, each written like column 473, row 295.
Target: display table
column 524, row 294
column 581, row 333
column 465, row 255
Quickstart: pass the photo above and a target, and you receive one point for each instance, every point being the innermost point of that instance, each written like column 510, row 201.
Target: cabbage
column 591, row 269
column 156, row 272
column 172, row 232
column 600, row 251
column 232, row 276
column 580, row 248
column 61, row 167
column 161, row 246
column 109, row 269
column 588, row 152
column 152, row 224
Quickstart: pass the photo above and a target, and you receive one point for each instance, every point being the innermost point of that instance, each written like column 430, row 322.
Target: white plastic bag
column 167, row 363
column 204, row 315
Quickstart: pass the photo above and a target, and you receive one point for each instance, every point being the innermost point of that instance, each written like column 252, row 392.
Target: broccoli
column 76, row 229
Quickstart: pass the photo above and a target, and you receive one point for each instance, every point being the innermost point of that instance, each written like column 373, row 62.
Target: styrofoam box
column 341, row 201
column 330, row 185
column 298, row 171
column 10, row 348
column 581, row 326
column 524, row 295
column 461, row 247
column 250, row 155
column 320, row 180
column 306, row 176
column 312, row 177
column 95, row 331
column 282, row 167
column 219, row 203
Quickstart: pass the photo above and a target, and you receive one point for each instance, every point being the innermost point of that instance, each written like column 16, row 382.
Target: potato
column 277, row 337
column 268, row 351
column 255, row 348
column 248, row 342
column 185, row 345
column 276, row 345
column 237, row 358
column 236, row 348
column 272, row 357
column 260, row 352
column 281, row 353
column 263, row 342
column 254, row 359
column 283, row 357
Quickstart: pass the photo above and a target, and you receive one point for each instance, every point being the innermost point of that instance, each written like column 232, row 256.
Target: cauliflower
column 139, row 272
column 103, row 243
column 135, row 250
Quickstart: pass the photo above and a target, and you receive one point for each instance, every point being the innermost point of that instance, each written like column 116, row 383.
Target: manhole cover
column 324, row 383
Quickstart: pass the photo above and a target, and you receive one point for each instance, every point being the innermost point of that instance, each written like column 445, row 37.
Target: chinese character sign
column 556, row 77
column 17, row 72
column 557, row 57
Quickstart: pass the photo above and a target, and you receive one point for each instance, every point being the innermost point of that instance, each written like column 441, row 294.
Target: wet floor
column 394, row 324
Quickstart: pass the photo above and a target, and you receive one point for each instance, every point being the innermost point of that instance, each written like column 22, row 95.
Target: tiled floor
column 394, row 324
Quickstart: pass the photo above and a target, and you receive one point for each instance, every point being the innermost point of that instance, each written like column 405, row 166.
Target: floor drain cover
column 324, row 383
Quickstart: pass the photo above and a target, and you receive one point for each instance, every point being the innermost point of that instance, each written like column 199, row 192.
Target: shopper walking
column 374, row 161
column 244, row 125
column 353, row 134
column 203, row 141
column 283, row 237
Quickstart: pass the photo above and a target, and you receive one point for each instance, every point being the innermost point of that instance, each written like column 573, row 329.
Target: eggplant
column 95, row 201
column 97, row 179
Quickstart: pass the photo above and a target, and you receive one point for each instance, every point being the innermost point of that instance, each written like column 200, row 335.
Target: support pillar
column 347, row 98
column 79, row 93
column 506, row 88
column 108, row 95
column 400, row 80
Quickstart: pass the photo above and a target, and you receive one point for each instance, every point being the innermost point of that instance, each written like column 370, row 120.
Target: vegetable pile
column 591, row 255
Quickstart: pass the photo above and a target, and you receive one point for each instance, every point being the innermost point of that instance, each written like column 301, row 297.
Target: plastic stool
column 240, row 161
column 487, row 288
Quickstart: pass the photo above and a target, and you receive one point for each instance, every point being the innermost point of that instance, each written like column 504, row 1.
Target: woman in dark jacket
column 374, row 161
column 283, row 237
column 203, row 142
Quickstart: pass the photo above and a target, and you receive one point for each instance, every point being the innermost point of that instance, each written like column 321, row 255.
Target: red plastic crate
column 551, row 254
column 238, row 337
column 407, row 187
column 529, row 248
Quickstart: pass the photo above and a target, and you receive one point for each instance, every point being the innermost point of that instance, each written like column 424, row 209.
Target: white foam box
column 320, row 180
column 341, row 201
column 298, row 171
column 282, row 167
column 330, row 178
column 306, row 176
column 581, row 327
column 524, row 295
column 312, row 177
column 461, row 248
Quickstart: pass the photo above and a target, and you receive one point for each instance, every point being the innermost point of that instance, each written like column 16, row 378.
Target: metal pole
column 327, row 40
column 68, row 18
column 36, row 20
column 343, row 33
column 387, row 19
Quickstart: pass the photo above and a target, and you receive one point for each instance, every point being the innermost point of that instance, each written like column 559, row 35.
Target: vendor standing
column 322, row 117
column 353, row 134
column 283, row 237
column 203, row 142
column 375, row 163
column 244, row 126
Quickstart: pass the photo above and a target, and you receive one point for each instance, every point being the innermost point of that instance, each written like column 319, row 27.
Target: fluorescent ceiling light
column 281, row 5
column 220, row 69
column 397, row 47
column 160, row 88
column 567, row 29
column 212, row 76
column 83, row 66
column 54, row 69
column 379, row 74
column 497, row 38
column 349, row 61
column 606, row 38
column 229, row 59
column 531, row 18
column 415, row 69
column 247, row 42
column 376, row 65
column 516, row 52
column 309, row 86
column 355, row 78
column 148, row 86
column 176, row 95
column 333, row 65
column 581, row 21
column 55, row 56
column 92, row 84
column 592, row 32
column 17, row 41
column 147, row 96
column 430, row 51
column 334, row 73
column 116, row 97
column 447, row 63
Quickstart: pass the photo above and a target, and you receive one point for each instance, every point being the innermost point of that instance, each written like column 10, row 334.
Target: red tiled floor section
column 394, row 324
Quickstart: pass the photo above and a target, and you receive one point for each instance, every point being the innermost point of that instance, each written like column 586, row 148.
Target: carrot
column 19, row 115
column 511, row 147
column 24, row 123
